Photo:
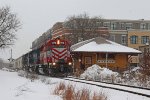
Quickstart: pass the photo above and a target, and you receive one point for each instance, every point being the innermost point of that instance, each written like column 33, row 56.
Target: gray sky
column 37, row 16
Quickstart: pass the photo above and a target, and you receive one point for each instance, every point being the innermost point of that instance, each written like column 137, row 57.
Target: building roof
column 100, row 44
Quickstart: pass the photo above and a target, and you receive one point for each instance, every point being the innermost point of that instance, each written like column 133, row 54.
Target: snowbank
column 7, row 69
column 96, row 72
column 22, row 73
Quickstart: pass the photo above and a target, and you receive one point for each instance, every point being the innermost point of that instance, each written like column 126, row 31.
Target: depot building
column 102, row 52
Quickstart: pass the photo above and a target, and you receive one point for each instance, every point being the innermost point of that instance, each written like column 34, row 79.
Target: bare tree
column 145, row 62
column 78, row 25
column 84, row 27
column 9, row 24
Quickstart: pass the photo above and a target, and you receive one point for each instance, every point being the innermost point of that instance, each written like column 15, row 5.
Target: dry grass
column 68, row 93
column 83, row 94
column 59, row 89
column 99, row 96
column 77, row 73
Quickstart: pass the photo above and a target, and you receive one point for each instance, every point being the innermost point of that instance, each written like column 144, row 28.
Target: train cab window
column 62, row 43
column 53, row 43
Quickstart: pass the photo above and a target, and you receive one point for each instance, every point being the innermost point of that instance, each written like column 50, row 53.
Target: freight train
column 52, row 58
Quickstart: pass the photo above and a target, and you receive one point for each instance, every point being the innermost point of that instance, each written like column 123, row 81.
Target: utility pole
column 10, row 59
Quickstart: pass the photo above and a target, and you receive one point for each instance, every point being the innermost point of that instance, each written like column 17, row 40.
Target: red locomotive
column 51, row 58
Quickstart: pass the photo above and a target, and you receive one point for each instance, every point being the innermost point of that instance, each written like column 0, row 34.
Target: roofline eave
column 107, row 52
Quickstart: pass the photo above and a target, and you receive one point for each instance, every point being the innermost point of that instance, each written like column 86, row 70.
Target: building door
column 88, row 61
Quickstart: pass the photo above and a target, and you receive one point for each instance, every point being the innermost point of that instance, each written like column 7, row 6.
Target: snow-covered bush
column 22, row 73
column 45, row 80
column 129, row 77
column 48, row 81
column 31, row 76
column 135, row 77
column 5, row 69
column 98, row 73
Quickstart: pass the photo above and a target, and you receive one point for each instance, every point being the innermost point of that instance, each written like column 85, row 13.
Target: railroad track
column 125, row 88
column 113, row 83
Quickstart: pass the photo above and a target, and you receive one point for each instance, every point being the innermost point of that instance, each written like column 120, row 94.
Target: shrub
column 99, row 96
column 59, row 89
column 22, row 73
column 83, row 94
column 68, row 93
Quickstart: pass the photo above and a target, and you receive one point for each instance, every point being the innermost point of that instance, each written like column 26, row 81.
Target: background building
column 114, row 29
column 137, row 38
column 77, row 35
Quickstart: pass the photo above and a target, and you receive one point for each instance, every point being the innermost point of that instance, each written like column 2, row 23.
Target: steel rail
column 124, row 90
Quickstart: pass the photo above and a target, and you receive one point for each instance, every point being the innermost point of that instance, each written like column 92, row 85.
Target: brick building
column 116, row 29
column 76, row 35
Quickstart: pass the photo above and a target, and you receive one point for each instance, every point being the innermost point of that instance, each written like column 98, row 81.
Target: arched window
column 134, row 39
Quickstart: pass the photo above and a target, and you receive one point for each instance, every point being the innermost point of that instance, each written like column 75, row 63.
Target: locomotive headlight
column 58, row 42
column 69, row 63
column 54, row 64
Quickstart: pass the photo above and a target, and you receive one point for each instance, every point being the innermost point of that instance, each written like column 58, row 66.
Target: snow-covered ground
column 14, row 87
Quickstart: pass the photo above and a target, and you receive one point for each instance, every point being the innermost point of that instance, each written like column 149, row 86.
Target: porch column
column 106, row 59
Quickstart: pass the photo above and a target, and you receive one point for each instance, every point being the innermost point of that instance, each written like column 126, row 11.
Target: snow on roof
column 100, row 44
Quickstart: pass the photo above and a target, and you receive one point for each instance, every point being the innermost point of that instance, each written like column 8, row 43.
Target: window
column 112, row 37
column 121, row 25
column 111, row 56
column 133, row 39
column 53, row 43
column 80, row 39
column 144, row 39
column 148, row 25
column 107, row 24
column 123, row 39
column 88, row 60
column 147, row 49
column 142, row 26
column 102, row 56
column 128, row 25
column 113, row 26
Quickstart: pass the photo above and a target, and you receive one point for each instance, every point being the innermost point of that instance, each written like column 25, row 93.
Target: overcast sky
column 37, row 16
